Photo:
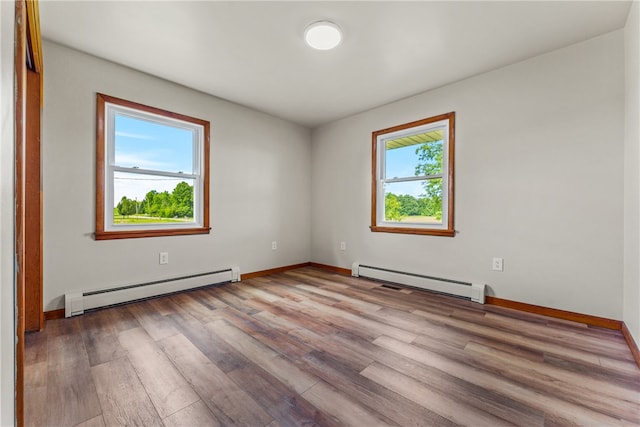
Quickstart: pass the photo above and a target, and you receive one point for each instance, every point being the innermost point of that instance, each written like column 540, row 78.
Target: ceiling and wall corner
column 254, row 54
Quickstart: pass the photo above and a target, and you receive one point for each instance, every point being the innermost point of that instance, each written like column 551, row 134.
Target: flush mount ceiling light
column 323, row 35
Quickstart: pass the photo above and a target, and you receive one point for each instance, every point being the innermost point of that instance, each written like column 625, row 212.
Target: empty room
column 334, row 213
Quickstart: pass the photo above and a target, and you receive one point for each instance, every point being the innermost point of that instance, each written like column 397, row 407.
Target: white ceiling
column 253, row 53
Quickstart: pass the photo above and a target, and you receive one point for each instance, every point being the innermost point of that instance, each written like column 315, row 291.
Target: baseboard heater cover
column 472, row 291
column 77, row 303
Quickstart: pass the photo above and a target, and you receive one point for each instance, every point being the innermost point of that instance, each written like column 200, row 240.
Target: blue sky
column 401, row 162
column 149, row 145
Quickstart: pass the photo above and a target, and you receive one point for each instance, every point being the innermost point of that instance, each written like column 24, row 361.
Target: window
column 412, row 189
column 152, row 172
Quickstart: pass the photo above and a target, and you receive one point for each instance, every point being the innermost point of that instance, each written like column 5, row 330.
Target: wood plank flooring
column 309, row 347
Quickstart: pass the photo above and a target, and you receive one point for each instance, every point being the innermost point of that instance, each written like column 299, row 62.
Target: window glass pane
column 414, row 155
column 152, row 199
column 150, row 145
column 414, row 202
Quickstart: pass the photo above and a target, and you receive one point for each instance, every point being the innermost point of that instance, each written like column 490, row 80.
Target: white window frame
column 200, row 130
column 444, row 122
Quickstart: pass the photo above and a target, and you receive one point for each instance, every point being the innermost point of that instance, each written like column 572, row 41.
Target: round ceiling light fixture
column 323, row 35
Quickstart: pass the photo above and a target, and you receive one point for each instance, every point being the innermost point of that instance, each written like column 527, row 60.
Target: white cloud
column 143, row 162
column 133, row 135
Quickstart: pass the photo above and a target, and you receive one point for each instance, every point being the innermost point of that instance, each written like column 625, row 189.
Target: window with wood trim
column 152, row 171
column 412, row 177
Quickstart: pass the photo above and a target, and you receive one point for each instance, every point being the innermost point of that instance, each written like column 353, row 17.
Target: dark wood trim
column 28, row 195
column 633, row 346
column 20, row 198
column 111, row 235
column 100, row 167
column 101, row 233
column 276, row 270
column 34, row 317
column 150, row 109
column 415, row 123
column 54, row 314
column 422, row 231
column 450, row 230
column 339, row 270
column 207, row 175
column 374, row 181
column 588, row 319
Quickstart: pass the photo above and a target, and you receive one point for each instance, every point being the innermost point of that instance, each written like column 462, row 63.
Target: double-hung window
column 412, row 188
column 152, row 171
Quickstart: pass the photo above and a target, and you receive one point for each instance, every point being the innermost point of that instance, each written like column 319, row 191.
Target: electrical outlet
column 343, row 246
column 498, row 264
column 164, row 257
column 274, row 245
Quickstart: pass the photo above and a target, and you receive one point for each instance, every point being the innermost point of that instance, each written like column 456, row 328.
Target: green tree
column 126, row 206
column 165, row 205
column 183, row 199
column 392, row 208
column 178, row 203
column 143, row 206
column 409, row 205
column 430, row 158
column 150, row 206
column 130, row 207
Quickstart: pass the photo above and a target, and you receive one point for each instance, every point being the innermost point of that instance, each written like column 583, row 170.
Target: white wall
column 7, row 259
column 631, row 315
column 259, row 183
column 539, row 182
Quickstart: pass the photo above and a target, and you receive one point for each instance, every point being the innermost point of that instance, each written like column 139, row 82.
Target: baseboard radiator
column 79, row 302
column 467, row 290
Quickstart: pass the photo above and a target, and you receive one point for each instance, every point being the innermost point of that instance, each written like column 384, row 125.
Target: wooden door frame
column 20, row 83
column 28, row 56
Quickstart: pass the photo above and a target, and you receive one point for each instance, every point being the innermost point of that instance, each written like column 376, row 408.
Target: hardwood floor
column 309, row 347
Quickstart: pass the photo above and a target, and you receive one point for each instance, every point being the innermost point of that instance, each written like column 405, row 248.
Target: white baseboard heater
column 472, row 291
column 79, row 302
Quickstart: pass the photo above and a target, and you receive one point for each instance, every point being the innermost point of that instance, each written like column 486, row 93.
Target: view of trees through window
column 157, row 206
column 412, row 171
column 419, row 200
column 152, row 171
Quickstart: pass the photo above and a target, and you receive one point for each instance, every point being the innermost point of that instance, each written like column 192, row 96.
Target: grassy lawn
column 421, row 219
column 143, row 219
